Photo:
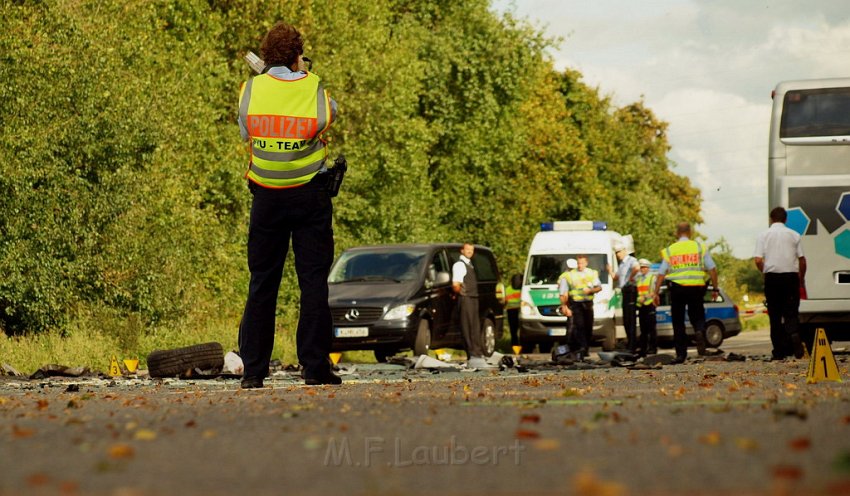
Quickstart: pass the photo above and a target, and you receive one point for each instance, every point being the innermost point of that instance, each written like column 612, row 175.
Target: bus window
column 813, row 113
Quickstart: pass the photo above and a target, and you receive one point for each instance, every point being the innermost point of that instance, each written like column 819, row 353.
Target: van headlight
column 527, row 309
column 399, row 312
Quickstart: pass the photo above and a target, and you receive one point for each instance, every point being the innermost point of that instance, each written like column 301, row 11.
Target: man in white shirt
column 465, row 285
column 779, row 255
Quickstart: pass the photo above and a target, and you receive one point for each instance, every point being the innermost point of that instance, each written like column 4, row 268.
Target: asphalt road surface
column 705, row 427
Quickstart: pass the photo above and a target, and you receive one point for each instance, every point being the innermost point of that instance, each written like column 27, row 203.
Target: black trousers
column 629, row 294
column 581, row 334
column 648, row 340
column 513, row 323
column 304, row 215
column 782, row 292
column 686, row 296
column 470, row 326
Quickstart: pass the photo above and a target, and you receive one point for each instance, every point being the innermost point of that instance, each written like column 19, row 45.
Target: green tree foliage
column 736, row 276
column 121, row 190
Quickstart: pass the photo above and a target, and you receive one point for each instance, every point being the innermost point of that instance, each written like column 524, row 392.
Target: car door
column 440, row 295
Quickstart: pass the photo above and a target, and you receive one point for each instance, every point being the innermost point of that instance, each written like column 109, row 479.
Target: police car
column 722, row 319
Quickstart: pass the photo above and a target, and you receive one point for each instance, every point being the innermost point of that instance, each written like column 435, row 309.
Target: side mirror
column 442, row 278
column 516, row 281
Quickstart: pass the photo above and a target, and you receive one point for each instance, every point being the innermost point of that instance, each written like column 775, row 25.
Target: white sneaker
column 480, row 363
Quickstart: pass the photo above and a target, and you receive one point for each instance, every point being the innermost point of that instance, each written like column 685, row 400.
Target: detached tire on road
column 181, row 361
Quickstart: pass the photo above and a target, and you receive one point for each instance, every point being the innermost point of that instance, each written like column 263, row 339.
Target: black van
column 390, row 298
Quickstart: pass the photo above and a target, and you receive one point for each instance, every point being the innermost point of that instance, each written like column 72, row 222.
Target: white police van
column 541, row 320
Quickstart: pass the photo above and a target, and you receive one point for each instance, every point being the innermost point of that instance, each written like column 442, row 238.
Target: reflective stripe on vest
column 578, row 282
column 685, row 261
column 644, row 283
column 285, row 120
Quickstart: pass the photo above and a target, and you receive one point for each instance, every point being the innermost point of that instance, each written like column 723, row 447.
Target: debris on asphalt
column 233, row 364
column 427, row 362
column 53, row 370
column 7, row 369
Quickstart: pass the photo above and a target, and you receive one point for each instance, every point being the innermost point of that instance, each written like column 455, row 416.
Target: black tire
column 714, row 334
column 488, row 337
column 382, row 354
column 545, row 347
column 423, row 338
column 182, row 361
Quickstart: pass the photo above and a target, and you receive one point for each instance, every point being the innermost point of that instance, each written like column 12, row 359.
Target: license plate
column 558, row 332
column 351, row 332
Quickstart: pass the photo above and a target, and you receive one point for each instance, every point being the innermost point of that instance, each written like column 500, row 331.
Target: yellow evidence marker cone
column 131, row 364
column 335, row 357
column 114, row 369
column 822, row 366
column 517, row 348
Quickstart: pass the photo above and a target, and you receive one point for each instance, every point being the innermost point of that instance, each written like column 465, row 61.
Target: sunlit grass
column 87, row 347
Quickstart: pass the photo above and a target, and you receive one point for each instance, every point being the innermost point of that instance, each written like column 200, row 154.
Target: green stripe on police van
column 544, row 297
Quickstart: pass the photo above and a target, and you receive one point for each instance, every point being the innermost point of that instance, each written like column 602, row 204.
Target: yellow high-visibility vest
column 512, row 296
column 645, row 283
column 578, row 281
column 685, row 259
column 285, row 121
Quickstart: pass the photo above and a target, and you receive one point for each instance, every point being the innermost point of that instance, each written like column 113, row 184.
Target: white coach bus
column 809, row 174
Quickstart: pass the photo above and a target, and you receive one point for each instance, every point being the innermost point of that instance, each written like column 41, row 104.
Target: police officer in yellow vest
column 685, row 265
column 646, row 303
column 576, row 289
column 512, row 304
column 283, row 114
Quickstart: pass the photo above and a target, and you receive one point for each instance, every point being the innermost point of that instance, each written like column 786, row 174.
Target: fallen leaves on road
column 746, row 444
column 21, row 432
column 144, row 435
column 531, row 418
column 547, row 444
column 121, row 451
column 587, row 483
column 800, row 444
column 527, row 434
column 711, row 438
column 787, row 472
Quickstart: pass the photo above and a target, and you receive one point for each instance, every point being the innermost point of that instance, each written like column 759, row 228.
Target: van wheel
column 423, row 338
column 545, row 347
column 184, row 361
column 488, row 337
column 713, row 334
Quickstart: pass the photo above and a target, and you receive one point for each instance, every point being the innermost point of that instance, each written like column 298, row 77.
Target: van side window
column 438, row 264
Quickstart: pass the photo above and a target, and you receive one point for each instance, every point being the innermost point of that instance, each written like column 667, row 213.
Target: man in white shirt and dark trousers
column 465, row 285
column 779, row 255
column 625, row 275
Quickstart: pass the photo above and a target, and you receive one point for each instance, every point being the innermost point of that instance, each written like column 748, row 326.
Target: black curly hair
column 282, row 45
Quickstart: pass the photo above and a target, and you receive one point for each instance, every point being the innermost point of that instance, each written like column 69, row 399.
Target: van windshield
column 545, row 269
column 395, row 266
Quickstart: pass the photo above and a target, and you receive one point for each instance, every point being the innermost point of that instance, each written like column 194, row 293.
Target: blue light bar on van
column 575, row 225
